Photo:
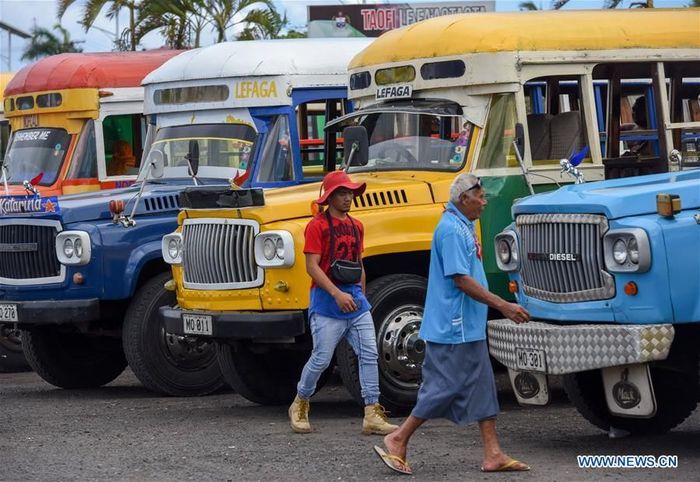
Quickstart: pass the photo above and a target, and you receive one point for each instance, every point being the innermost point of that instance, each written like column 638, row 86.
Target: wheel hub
column 401, row 351
column 188, row 351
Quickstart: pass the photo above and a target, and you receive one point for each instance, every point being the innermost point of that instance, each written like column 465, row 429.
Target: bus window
column 497, row 149
column 684, row 81
column 633, row 144
column 122, row 143
column 555, row 120
column 276, row 164
column 84, row 165
column 311, row 119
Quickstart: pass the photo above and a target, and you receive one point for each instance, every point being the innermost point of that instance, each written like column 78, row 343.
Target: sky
column 24, row 14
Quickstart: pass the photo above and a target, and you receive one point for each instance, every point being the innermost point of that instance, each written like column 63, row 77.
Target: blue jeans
column 327, row 333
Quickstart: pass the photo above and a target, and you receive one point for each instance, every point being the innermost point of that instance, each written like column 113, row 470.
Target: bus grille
column 562, row 257
column 218, row 254
column 28, row 252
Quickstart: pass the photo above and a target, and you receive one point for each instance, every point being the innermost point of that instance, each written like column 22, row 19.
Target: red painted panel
column 88, row 70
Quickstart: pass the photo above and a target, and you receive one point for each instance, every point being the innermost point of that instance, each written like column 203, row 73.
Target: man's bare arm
column 512, row 311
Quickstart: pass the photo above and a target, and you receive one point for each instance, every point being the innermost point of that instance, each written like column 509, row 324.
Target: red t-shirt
column 318, row 240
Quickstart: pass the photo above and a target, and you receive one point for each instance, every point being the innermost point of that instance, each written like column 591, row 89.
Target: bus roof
column 287, row 57
column 87, row 70
column 471, row 33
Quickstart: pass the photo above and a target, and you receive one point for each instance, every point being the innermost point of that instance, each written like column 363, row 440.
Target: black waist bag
column 342, row 270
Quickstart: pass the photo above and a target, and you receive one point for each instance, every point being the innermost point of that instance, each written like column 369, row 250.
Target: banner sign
column 29, row 205
column 372, row 20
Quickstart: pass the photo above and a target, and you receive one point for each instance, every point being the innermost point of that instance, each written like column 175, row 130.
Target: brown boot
column 375, row 421
column 299, row 415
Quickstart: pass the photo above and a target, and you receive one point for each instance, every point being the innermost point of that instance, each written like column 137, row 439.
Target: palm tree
column 92, row 10
column 180, row 21
column 527, row 6
column 224, row 14
column 44, row 43
column 556, row 5
column 264, row 24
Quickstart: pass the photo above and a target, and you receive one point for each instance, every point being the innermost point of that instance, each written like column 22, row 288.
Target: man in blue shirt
column 458, row 382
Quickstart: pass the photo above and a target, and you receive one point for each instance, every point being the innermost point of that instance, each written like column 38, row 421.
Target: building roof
column 470, row 33
column 87, row 70
column 289, row 57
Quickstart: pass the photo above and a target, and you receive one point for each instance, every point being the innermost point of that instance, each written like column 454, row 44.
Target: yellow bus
column 4, row 123
column 505, row 96
column 77, row 121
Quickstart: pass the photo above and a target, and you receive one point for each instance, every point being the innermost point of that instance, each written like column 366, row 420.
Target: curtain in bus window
column 497, row 148
column 276, row 162
column 84, row 165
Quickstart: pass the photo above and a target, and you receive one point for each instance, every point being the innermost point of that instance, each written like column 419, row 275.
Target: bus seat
column 566, row 135
column 538, row 132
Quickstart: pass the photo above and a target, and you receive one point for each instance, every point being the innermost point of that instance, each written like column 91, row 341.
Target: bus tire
column 70, row 359
column 675, row 399
column 11, row 355
column 165, row 363
column 266, row 377
column 397, row 303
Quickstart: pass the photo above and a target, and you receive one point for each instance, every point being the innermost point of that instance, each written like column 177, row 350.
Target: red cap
column 336, row 179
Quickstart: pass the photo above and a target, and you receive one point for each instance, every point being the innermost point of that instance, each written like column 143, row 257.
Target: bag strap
column 332, row 236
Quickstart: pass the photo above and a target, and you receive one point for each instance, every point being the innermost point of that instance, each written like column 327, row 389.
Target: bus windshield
column 412, row 140
column 34, row 152
column 222, row 150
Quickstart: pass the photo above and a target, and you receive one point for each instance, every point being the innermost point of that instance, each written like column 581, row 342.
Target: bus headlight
column 171, row 248
column 507, row 257
column 627, row 250
column 73, row 248
column 274, row 249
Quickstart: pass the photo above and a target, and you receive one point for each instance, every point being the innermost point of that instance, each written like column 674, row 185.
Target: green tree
column 180, row 21
column 225, row 14
column 92, row 9
column 44, row 43
column 264, row 24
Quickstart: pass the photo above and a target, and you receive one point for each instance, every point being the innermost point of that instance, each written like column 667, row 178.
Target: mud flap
column 629, row 391
column 530, row 388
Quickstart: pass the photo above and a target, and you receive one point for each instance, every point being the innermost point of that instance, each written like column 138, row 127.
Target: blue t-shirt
column 451, row 316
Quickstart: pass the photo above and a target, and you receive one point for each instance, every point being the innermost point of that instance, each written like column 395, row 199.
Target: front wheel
column 67, row 358
column 674, row 380
column 262, row 375
column 397, row 310
column 11, row 355
column 163, row 362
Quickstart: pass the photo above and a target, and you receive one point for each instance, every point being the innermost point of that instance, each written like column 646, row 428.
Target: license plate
column 197, row 324
column 8, row 313
column 531, row 360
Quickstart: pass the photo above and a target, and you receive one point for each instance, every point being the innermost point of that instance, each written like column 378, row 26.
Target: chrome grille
column 562, row 257
column 28, row 252
column 218, row 254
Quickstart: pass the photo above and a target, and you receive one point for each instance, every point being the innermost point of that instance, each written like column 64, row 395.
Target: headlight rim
column 510, row 237
column 76, row 257
column 165, row 248
column 283, row 258
column 644, row 254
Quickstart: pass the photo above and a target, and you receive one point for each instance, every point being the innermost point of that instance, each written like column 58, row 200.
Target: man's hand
column 515, row 312
column 346, row 302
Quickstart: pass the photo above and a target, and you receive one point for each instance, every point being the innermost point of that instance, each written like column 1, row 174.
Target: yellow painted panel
column 85, row 101
column 535, row 31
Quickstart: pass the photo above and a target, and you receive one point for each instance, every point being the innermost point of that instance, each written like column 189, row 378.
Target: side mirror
column 355, row 146
column 193, row 157
column 156, row 161
column 520, row 139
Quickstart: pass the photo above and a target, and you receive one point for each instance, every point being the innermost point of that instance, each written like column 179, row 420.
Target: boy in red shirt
column 339, row 308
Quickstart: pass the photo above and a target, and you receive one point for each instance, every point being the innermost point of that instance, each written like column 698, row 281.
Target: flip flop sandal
column 389, row 460
column 509, row 467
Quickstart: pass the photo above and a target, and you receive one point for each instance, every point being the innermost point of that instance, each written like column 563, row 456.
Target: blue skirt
column 458, row 383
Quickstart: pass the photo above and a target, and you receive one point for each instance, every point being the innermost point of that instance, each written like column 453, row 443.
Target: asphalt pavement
column 124, row 432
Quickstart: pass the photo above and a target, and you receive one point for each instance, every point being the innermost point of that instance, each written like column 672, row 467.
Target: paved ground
column 123, row 432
